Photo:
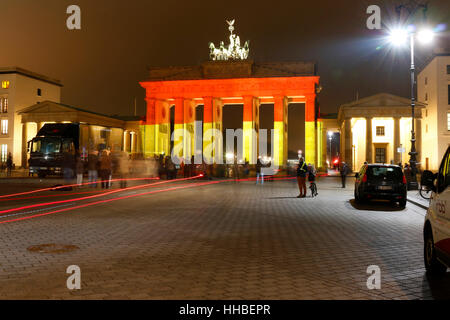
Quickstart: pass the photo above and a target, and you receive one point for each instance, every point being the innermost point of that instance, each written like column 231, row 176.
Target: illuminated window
column 4, row 126
column 380, row 131
column 448, row 121
column 3, row 105
column 4, row 152
column 5, row 84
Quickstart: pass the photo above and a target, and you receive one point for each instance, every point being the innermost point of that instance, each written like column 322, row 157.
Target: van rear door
column 441, row 208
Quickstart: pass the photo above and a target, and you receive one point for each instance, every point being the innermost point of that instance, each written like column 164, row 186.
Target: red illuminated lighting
column 73, row 185
column 109, row 200
column 93, row 196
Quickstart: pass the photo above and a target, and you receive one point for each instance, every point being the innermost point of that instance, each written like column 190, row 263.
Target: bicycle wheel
column 425, row 192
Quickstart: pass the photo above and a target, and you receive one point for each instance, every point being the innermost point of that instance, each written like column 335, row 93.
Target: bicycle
column 313, row 188
column 425, row 192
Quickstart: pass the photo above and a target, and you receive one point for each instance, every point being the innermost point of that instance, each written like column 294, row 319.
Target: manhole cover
column 52, row 248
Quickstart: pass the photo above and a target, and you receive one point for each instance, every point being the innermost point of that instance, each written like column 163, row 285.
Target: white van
column 436, row 230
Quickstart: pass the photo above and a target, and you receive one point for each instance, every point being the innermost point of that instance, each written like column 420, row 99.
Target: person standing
column 92, row 169
column 344, row 172
column 79, row 168
column 259, row 173
column 301, row 177
column 68, row 165
column 123, row 169
column 9, row 164
column 105, row 169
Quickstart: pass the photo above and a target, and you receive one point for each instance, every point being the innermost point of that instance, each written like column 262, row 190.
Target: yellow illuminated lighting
column 310, row 142
column 5, row 84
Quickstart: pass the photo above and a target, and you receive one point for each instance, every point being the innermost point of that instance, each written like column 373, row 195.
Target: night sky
column 101, row 64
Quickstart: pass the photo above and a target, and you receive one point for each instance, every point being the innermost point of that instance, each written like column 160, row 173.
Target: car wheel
column 432, row 264
column 402, row 203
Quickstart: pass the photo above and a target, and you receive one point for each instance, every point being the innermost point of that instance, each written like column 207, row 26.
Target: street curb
column 417, row 204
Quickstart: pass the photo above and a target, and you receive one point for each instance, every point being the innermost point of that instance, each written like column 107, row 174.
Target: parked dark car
column 380, row 181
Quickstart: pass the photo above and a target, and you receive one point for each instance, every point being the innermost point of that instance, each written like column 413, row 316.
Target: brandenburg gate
column 229, row 78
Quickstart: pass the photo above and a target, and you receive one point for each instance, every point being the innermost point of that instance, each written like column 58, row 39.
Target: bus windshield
column 46, row 145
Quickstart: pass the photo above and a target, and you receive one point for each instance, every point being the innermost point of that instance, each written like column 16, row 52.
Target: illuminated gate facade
column 214, row 84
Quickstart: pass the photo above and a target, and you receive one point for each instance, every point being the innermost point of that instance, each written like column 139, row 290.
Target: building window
column 448, row 120
column 4, row 126
column 426, row 96
column 4, row 152
column 3, row 105
column 380, row 155
column 39, row 92
column 5, row 84
column 448, row 69
column 448, row 96
column 426, row 80
column 380, row 131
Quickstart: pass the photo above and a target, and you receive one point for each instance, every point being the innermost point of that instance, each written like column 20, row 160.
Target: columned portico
column 387, row 124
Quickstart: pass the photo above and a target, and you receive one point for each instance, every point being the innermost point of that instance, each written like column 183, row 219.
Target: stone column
column 124, row 138
column 310, row 130
column 24, row 145
column 162, row 127
column 218, row 129
column 249, row 136
column 348, row 149
column 178, row 143
column 279, row 143
column 208, row 127
column 188, row 126
column 150, row 134
column 133, row 142
column 369, row 143
column 396, row 145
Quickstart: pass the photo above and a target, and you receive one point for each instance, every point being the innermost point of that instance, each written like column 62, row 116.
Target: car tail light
column 404, row 179
column 364, row 179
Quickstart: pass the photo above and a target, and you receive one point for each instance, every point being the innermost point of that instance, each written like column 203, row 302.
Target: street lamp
column 399, row 37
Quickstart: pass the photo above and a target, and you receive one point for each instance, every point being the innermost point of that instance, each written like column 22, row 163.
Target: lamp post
column 413, row 153
column 398, row 37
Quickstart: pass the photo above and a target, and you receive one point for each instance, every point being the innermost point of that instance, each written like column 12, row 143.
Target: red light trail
column 114, row 199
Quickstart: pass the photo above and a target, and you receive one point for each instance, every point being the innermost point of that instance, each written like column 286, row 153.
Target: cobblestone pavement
column 224, row 241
